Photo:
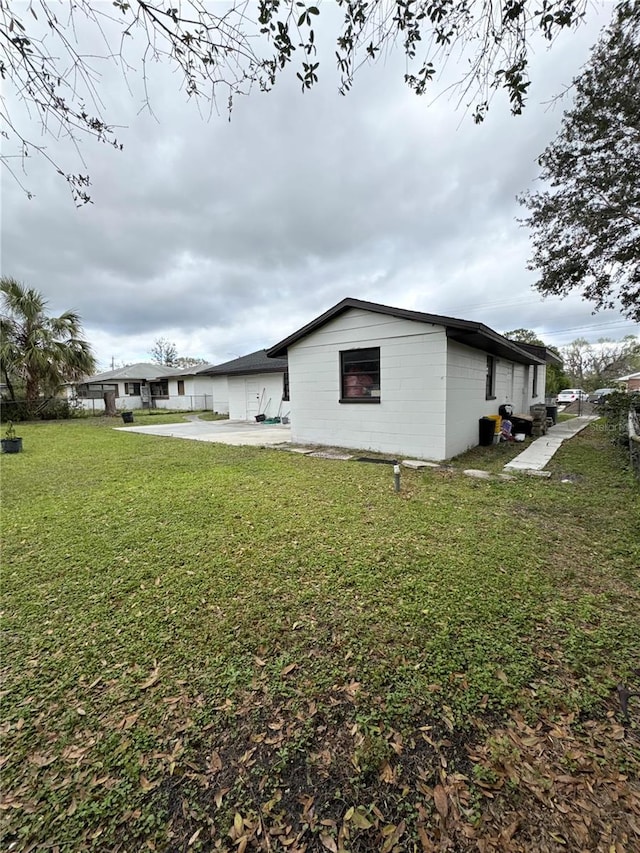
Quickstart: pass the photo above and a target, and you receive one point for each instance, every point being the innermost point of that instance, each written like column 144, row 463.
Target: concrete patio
column 223, row 432
column 533, row 459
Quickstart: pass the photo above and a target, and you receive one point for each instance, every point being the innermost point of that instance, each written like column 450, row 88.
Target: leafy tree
column 39, row 353
column 556, row 378
column 164, row 352
column 586, row 227
column 188, row 361
column 48, row 51
column 524, row 336
column 596, row 365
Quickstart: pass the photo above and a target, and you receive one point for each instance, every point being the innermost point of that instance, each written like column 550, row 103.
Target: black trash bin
column 127, row 417
column 552, row 412
column 487, row 431
column 522, row 425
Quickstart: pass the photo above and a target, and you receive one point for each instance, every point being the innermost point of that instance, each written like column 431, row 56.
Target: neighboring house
column 145, row 385
column 255, row 385
column 373, row 377
column 631, row 382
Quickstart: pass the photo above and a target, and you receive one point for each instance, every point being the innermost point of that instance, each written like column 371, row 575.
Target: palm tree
column 39, row 352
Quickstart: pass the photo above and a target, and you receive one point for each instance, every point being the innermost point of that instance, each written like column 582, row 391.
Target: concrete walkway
column 540, row 451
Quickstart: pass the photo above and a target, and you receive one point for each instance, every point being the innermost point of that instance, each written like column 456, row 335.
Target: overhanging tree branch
column 50, row 64
column 586, row 230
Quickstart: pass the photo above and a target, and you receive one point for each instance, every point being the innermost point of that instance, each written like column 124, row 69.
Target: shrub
column 51, row 409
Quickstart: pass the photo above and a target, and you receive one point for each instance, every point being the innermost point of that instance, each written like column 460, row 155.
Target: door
column 252, row 391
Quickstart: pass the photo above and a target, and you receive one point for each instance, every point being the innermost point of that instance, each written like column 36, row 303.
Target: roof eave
column 453, row 325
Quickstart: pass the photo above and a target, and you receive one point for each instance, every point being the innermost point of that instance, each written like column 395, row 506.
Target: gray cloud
column 226, row 236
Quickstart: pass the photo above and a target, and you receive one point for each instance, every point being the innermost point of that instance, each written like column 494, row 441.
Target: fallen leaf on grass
column 328, row 842
column 393, row 834
column 220, row 796
column 440, row 799
column 128, row 722
column 155, row 675
column 361, row 821
column 387, row 773
column 146, row 785
column 508, row 833
column 214, row 764
column 427, row 844
column 194, row 837
column 288, row 669
column 41, row 760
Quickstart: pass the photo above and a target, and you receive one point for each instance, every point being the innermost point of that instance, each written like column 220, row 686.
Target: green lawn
column 151, row 417
column 229, row 648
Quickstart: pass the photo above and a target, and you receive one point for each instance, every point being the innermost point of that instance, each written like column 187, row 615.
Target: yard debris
column 624, row 695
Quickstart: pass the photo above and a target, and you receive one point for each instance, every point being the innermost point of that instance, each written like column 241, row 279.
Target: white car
column 571, row 395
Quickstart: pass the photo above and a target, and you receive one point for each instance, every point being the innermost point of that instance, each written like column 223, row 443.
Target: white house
column 373, row 377
column 255, row 385
column 146, row 385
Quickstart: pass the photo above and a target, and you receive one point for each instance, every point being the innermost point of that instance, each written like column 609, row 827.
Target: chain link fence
column 634, row 441
column 60, row 408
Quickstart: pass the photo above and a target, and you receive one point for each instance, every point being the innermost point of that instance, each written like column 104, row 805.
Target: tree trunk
column 110, row 404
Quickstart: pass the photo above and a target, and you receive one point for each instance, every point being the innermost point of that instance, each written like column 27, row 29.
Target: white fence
column 182, row 402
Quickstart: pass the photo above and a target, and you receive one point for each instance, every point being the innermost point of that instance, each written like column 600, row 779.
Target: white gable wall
column 410, row 418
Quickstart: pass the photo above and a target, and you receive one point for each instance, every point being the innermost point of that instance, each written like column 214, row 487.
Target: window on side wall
column 285, row 386
column 491, row 378
column 181, row 387
column 360, row 375
column 132, row 389
column 534, row 387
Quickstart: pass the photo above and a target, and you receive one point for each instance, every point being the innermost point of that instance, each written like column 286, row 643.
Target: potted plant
column 10, row 443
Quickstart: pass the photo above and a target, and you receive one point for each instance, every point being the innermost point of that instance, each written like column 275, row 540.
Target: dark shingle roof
column 255, row 362
column 546, row 354
column 466, row 332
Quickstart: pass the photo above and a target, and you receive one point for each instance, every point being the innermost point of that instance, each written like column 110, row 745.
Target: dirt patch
column 314, row 777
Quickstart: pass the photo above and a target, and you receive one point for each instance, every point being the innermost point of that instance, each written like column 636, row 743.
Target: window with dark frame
column 491, row 378
column 180, row 387
column 360, row 375
column 132, row 389
column 285, row 386
column 534, row 390
column 95, row 390
column 160, row 389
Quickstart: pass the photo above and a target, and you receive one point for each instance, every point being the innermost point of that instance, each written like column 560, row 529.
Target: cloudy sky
column 225, row 237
